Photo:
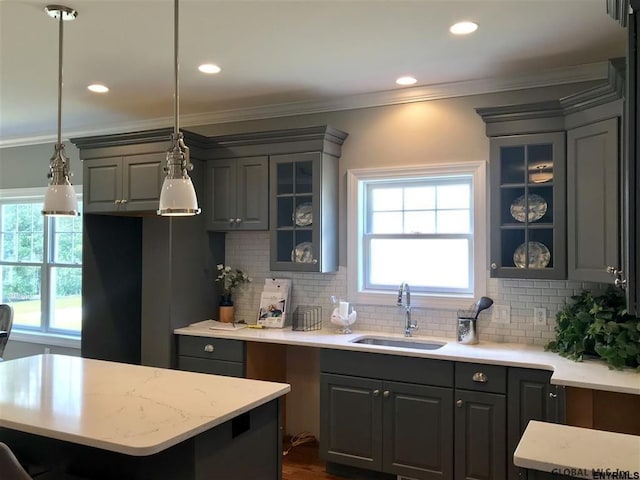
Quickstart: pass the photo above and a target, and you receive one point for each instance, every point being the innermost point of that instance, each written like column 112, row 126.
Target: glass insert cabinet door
column 295, row 211
column 528, row 209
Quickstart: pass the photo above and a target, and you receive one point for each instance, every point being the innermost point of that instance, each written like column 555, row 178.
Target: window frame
column 44, row 334
column 356, row 179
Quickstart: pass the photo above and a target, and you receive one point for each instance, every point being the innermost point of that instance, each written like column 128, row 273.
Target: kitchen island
column 100, row 419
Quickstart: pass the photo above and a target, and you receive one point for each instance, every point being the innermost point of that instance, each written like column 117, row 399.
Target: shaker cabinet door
column 351, row 421
column 142, row 178
column 418, row 431
column 102, row 185
column 592, row 201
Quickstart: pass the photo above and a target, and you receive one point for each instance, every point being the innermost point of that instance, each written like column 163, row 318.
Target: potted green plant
column 229, row 279
column 598, row 325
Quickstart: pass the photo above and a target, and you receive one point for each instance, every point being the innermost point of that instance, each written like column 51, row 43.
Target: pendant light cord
column 60, row 32
column 175, row 69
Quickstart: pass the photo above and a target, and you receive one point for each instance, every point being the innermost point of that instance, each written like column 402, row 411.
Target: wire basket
column 306, row 318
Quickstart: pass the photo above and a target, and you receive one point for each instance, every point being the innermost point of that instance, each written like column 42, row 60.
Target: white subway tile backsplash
column 249, row 251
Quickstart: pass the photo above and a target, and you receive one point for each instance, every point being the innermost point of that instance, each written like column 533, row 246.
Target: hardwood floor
column 303, row 463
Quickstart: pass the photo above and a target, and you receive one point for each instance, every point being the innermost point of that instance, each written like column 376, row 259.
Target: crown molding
column 558, row 76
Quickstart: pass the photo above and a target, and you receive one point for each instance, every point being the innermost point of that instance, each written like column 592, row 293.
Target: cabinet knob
column 117, row 201
column 480, row 377
column 553, row 395
column 231, row 220
column 459, row 403
column 124, row 200
column 238, row 220
column 494, row 266
column 208, row 348
column 315, row 260
column 386, row 393
column 376, row 392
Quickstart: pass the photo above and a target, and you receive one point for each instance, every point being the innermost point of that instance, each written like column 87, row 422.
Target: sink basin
column 399, row 342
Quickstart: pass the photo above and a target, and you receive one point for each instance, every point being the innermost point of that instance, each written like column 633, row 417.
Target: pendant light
column 178, row 197
column 60, row 198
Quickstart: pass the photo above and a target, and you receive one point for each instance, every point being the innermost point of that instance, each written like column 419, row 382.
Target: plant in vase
column 229, row 279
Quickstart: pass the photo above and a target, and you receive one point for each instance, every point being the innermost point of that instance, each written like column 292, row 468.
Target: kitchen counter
column 577, row 452
column 119, row 407
column 593, row 374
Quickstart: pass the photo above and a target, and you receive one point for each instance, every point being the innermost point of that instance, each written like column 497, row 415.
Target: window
column 420, row 225
column 40, row 265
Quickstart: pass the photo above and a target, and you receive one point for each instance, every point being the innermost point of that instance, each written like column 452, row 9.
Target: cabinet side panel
column 111, row 286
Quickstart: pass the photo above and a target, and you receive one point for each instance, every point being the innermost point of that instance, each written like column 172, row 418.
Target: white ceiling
column 277, row 57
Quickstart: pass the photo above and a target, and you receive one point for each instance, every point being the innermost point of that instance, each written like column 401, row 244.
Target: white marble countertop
column 576, row 451
column 593, row 374
column 120, row 407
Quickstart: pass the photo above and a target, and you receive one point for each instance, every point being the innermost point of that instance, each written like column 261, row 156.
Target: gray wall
column 28, row 166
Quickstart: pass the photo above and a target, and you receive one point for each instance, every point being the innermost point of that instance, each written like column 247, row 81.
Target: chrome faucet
column 409, row 325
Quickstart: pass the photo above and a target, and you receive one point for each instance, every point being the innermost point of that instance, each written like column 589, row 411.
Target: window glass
column 418, row 231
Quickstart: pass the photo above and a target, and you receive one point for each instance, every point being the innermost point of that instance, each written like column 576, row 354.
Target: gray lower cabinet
column 391, row 427
column 387, row 413
column 238, row 194
column 480, row 425
column 480, row 421
column 530, row 397
column 212, row 355
column 121, row 184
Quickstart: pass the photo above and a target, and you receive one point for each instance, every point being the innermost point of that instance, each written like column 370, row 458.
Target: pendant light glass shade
column 178, row 196
column 60, row 198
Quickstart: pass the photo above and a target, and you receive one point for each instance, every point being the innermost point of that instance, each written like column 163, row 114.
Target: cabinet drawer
column 214, row 367
column 482, row 378
column 211, row 348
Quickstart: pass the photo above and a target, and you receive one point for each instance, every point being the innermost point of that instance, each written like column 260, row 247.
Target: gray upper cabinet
column 548, row 153
column 302, row 188
column 304, row 212
column 630, row 174
column 238, row 194
column 129, row 183
column 527, row 206
column 593, row 120
column 592, row 201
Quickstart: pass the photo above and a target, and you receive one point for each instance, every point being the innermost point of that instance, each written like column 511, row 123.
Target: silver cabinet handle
column 231, row 220
column 553, row 395
column 208, row 348
column 459, row 404
column 117, row 201
column 480, row 377
column 315, row 260
column 386, row 393
column 620, row 281
column 376, row 392
column 494, row 266
column 238, row 220
column 124, row 200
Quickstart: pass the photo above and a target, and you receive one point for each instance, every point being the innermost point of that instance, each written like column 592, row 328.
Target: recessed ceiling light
column 97, row 88
column 209, row 68
column 406, row 80
column 463, row 28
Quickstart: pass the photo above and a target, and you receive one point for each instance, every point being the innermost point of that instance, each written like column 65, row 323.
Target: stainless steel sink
column 398, row 342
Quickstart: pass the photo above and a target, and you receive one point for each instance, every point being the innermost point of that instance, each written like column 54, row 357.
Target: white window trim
column 355, row 225
column 26, row 336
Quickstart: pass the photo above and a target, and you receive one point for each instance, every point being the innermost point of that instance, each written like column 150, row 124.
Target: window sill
column 54, row 340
